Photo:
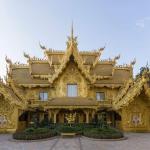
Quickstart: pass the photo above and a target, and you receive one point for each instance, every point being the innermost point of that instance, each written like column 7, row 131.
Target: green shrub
column 89, row 130
column 42, row 130
column 44, row 123
column 34, row 133
column 29, row 130
column 69, row 129
column 106, row 133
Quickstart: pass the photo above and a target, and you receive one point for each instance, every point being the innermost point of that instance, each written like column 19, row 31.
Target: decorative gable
column 71, row 75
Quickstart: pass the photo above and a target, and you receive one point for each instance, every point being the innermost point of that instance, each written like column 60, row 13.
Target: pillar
column 41, row 116
column 49, row 115
column 55, row 115
column 87, row 116
column 113, row 119
column 93, row 115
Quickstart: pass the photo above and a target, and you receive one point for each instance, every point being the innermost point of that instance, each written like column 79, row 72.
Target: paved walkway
column 135, row 141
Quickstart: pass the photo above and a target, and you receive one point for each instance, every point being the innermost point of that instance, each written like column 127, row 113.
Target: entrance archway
column 23, row 121
column 111, row 117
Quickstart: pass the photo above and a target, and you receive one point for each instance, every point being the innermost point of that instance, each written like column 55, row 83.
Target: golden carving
column 98, row 56
column 89, row 72
column 71, row 76
column 134, row 116
column 132, row 89
column 117, row 57
column 26, row 55
column 70, row 117
column 42, row 47
column 8, row 60
column 133, row 62
column 6, row 111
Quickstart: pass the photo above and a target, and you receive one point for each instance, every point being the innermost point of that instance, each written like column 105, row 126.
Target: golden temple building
column 74, row 81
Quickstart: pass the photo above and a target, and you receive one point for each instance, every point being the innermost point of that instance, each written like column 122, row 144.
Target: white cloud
column 142, row 22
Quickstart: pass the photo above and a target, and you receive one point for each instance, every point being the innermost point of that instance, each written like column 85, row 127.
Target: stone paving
column 135, row 141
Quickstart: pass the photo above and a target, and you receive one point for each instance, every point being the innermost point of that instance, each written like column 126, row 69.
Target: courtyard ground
column 135, row 141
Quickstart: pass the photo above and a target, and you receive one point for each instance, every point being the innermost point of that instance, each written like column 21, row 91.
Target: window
column 100, row 96
column 71, row 90
column 43, row 96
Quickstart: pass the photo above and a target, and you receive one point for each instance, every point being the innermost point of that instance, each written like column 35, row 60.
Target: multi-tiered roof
column 99, row 73
column 44, row 72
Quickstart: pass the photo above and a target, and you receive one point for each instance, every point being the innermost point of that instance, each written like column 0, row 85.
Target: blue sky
column 123, row 26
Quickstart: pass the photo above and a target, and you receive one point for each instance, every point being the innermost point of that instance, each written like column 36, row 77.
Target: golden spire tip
column 72, row 31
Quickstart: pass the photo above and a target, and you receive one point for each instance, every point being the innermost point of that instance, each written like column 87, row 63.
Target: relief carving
column 6, row 111
column 71, row 76
column 135, row 116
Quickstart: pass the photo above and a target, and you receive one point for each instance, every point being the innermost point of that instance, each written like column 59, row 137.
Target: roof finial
column 71, row 39
column 72, row 36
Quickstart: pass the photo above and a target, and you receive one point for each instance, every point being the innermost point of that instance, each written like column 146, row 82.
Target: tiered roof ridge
column 131, row 89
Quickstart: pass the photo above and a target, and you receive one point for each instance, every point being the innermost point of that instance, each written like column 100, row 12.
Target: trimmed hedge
column 34, row 134
column 69, row 129
column 98, row 133
column 88, row 130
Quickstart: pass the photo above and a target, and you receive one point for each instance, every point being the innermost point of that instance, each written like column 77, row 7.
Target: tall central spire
column 72, row 34
column 72, row 41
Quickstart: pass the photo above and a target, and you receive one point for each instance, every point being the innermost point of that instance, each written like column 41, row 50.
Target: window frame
column 42, row 97
column 100, row 100
column 68, row 90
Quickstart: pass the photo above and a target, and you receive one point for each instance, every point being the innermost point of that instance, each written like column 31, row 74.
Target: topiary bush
column 103, row 133
column 69, row 129
column 29, row 130
column 34, row 134
column 98, row 131
column 44, row 123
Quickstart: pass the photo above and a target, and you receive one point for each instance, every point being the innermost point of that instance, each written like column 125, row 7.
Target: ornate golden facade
column 126, row 101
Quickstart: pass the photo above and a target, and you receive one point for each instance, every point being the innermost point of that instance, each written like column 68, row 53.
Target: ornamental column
column 93, row 114
column 87, row 116
column 41, row 116
column 55, row 115
column 113, row 119
column 49, row 115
